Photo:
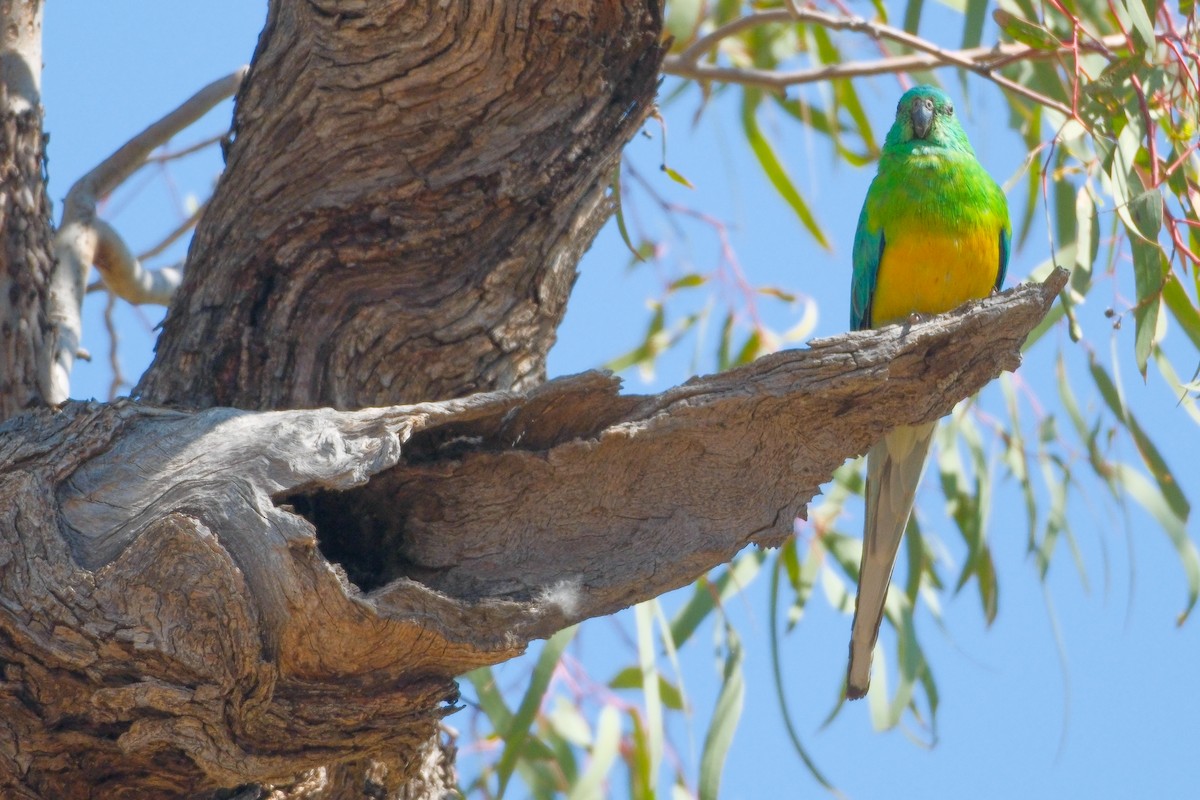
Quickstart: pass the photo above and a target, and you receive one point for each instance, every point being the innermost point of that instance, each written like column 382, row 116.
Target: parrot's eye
column 949, row 110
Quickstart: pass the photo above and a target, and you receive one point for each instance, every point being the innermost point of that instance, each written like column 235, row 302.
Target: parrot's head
column 925, row 117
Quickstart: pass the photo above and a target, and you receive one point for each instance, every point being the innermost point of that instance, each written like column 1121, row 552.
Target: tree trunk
column 408, row 191
column 208, row 596
column 26, row 256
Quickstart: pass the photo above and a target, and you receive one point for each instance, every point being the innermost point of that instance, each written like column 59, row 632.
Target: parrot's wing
column 894, row 467
column 1005, row 244
column 868, row 250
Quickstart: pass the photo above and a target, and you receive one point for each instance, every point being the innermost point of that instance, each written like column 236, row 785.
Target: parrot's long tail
column 894, row 467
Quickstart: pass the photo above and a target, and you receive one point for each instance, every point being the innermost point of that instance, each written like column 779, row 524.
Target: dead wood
column 170, row 619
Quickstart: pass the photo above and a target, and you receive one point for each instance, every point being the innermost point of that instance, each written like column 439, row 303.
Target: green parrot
column 933, row 233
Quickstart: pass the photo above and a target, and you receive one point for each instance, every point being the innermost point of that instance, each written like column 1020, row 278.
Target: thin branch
column 730, row 29
column 114, row 341
column 174, row 235
column 981, row 60
column 84, row 240
column 159, row 158
column 114, row 170
column 124, row 274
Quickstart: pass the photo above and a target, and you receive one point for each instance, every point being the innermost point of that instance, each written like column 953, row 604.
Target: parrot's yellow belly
column 930, row 273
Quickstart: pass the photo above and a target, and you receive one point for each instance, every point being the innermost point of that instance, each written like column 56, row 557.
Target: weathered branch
column 162, row 596
column 83, row 239
column 123, row 272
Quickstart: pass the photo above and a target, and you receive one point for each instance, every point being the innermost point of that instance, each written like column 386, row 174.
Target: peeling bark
column 168, row 618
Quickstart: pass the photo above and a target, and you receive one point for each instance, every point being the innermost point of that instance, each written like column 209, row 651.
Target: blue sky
column 1120, row 723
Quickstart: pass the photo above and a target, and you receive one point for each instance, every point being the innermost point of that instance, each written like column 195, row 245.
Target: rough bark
column 25, row 235
column 200, row 600
column 168, row 619
column 408, row 191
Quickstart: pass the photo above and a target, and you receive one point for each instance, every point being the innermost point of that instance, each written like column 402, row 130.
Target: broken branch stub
column 161, row 593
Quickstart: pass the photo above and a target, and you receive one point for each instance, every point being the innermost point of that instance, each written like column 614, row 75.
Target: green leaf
column 624, row 231
column 1016, row 457
column 1087, row 241
column 1164, row 499
column 774, row 169
column 1147, row 212
column 808, row 115
column 644, row 616
column 911, row 662
column 725, row 343
column 603, row 756
column 1176, row 386
column 1150, row 268
column 631, row 678
column 1049, row 321
column 777, row 293
column 989, row 589
column 490, row 699
column 1176, row 299
column 1143, row 27
column 750, row 349
column 650, row 347
column 705, row 593
column 912, row 15
column 636, row 753
column 1033, row 185
column 570, row 723
column 687, row 282
column 967, row 499
column 1064, row 212
column 682, row 21
column 1113, row 83
column 727, row 10
column 516, row 733
column 1143, row 216
column 802, row 584
column 1150, row 498
column 847, row 98
column 678, row 178
column 777, row 675
column 1056, row 515
column 973, row 23
column 673, row 695
column 1026, row 33
column 724, row 719
column 1150, row 454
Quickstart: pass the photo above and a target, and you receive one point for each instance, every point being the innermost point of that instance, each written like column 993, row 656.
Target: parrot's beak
column 922, row 118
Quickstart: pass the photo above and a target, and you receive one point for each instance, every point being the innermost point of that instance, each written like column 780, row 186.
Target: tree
column 202, row 597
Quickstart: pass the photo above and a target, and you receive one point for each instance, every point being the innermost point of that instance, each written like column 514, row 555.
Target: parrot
column 934, row 232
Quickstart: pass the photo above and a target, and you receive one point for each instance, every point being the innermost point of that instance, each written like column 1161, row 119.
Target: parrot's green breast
column 941, row 236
